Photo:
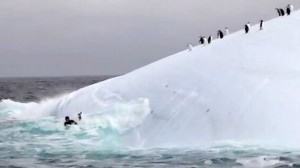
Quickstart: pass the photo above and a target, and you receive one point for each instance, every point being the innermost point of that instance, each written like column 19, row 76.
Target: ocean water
column 45, row 142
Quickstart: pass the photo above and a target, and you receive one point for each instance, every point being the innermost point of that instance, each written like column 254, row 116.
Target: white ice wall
column 245, row 87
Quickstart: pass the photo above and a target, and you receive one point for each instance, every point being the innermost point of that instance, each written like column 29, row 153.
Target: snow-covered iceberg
column 245, row 87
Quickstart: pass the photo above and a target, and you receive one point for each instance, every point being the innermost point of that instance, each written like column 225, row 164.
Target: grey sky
column 103, row 37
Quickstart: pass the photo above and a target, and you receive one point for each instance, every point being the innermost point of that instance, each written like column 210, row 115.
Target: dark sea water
column 35, row 89
column 43, row 144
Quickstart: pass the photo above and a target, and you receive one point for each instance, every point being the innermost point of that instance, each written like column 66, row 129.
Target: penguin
column 247, row 27
column 261, row 25
column 220, row 34
column 190, row 47
column 282, row 12
column 205, row 41
column 226, row 31
column 279, row 12
column 210, row 38
column 201, row 41
column 289, row 9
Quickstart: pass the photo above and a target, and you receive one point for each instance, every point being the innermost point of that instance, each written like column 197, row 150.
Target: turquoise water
column 47, row 143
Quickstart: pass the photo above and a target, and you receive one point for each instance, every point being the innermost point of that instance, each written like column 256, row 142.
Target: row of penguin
column 204, row 41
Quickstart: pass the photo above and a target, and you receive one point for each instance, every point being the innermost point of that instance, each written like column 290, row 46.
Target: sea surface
column 41, row 143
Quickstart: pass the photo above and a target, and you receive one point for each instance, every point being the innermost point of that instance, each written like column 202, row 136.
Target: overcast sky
column 108, row 37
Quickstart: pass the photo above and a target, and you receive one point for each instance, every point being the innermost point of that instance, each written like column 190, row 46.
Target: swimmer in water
column 69, row 122
column 72, row 122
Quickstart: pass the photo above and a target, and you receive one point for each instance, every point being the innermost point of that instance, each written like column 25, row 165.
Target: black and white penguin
column 261, row 25
column 289, row 9
column 220, row 34
column 248, row 24
column 210, row 38
column 190, row 47
column 226, row 31
column 278, row 11
column 247, row 27
column 282, row 12
column 201, row 41
column 205, row 41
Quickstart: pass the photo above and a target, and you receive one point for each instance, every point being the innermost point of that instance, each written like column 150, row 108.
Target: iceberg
column 245, row 87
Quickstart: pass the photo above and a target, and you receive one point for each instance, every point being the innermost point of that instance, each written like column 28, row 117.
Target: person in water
column 71, row 122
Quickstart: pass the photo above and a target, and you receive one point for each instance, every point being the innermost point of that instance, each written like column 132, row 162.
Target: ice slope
column 245, row 87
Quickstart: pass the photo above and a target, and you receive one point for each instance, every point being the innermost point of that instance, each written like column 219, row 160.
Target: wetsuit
column 70, row 122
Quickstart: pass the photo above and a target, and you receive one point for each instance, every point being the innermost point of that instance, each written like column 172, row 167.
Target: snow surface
column 245, row 87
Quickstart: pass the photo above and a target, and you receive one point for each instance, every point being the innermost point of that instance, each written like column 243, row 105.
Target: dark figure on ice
column 247, row 28
column 278, row 11
column 261, row 25
column 69, row 122
column 220, row 34
column 290, row 8
column 209, row 39
column 201, row 41
column 288, row 11
column 282, row 12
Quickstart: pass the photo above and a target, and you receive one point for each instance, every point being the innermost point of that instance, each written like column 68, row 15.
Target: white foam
column 259, row 162
column 118, row 115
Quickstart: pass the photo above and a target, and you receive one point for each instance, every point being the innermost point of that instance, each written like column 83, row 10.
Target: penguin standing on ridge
column 210, row 38
column 205, row 41
column 226, row 31
column 190, row 47
column 248, row 24
column 282, row 12
column 279, row 12
column 220, row 34
column 289, row 9
column 201, row 41
column 261, row 25
column 247, row 27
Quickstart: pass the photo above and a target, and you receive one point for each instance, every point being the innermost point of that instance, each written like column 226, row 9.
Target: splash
column 113, row 118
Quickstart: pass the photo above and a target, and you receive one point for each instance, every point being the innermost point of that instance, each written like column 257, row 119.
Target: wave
column 113, row 118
